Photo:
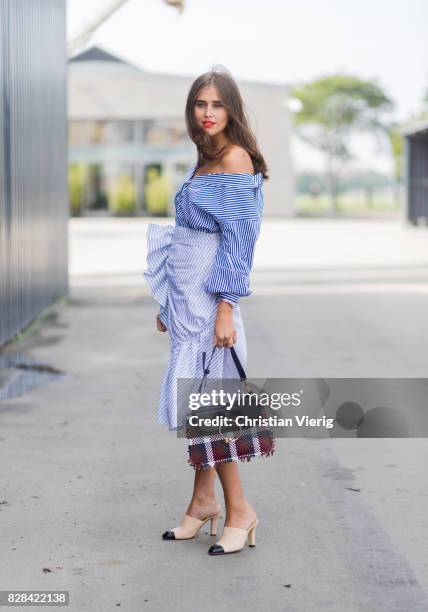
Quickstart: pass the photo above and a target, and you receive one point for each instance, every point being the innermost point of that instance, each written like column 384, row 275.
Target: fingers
column 160, row 324
column 225, row 342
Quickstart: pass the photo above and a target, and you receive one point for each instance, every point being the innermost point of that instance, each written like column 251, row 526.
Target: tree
column 157, row 192
column 76, row 185
column 123, row 196
column 396, row 142
column 332, row 108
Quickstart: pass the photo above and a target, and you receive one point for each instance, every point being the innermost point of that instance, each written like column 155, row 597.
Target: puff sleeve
column 239, row 219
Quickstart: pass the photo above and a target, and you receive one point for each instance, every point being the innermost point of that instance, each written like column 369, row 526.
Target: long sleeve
column 239, row 219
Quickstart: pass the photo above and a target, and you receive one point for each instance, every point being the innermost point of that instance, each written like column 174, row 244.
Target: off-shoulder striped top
column 232, row 204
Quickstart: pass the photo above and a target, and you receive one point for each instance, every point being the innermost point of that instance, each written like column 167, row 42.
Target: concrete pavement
column 92, row 480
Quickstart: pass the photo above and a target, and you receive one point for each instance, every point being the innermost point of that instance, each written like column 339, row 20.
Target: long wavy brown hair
column 237, row 130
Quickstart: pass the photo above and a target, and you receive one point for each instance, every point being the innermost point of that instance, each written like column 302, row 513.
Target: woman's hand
column 160, row 325
column 224, row 330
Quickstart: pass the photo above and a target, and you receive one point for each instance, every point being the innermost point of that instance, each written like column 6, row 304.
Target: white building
column 124, row 120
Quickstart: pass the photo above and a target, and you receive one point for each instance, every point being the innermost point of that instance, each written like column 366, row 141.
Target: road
column 92, row 480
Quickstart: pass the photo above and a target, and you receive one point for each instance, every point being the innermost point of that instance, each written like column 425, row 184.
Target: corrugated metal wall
column 33, row 160
column 417, row 176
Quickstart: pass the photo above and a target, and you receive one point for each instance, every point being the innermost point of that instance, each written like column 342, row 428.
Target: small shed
column 416, row 172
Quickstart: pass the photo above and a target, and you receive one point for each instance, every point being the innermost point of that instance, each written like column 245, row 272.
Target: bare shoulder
column 237, row 160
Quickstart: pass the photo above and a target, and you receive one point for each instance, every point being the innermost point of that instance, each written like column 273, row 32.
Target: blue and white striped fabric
column 231, row 204
column 207, row 254
column 178, row 262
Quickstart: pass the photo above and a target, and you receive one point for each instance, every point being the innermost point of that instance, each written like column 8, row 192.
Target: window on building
column 165, row 132
column 86, row 132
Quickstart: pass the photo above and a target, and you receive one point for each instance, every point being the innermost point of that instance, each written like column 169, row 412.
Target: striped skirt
column 179, row 260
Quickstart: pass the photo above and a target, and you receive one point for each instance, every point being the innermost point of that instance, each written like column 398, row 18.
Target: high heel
column 190, row 526
column 233, row 539
column 214, row 524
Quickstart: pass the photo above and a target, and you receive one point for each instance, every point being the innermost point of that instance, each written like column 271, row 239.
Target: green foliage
column 352, row 203
column 336, row 105
column 123, row 196
column 76, row 184
column 314, row 183
column 341, row 100
column 158, row 193
column 396, row 141
column 332, row 108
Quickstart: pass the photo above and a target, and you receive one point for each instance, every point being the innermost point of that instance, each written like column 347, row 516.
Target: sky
column 279, row 41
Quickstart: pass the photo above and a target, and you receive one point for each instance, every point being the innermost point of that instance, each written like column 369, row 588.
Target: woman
column 197, row 271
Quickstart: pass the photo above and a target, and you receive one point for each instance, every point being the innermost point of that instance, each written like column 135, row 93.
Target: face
column 210, row 113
